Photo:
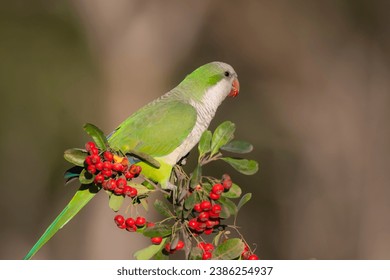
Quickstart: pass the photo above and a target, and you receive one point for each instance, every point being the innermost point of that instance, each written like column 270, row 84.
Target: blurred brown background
column 314, row 101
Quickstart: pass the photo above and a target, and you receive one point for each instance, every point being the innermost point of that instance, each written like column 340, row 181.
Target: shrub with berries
column 200, row 215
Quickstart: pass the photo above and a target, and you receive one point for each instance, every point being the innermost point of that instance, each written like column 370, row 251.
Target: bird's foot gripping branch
column 200, row 213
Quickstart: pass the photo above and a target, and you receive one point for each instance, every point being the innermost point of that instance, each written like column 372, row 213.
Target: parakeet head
column 213, row 81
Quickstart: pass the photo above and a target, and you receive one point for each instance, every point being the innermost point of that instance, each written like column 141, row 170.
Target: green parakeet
column 165, row 129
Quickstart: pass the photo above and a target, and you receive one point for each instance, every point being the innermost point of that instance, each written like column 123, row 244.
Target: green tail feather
column 79, row 200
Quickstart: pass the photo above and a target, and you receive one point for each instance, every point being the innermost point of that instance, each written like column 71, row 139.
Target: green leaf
column 157, row 230
column 150, row 251
column 244, row 166
column 244, row 199
column 217, row 237
column 145, row 157
column 115, row 202
column 76, row 156
column 204, row 145
column 162, row 208
column 222, row 135
column 228, row 207
column 196, row 176
column 145, row 204
column 86, row 178
column 97, row 136
column 190, row 201
column 196, row 253
column 161, row 256
column 229, row 249
column 238, row 146
column 233, row 192
column 141, row 189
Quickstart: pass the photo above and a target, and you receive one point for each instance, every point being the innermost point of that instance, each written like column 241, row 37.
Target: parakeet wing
column 156, row 129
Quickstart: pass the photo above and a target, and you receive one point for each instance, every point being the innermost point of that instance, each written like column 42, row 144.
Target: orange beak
column 235, row 88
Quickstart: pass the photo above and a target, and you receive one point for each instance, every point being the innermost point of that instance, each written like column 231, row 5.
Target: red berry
column 130, row 222
column 168, row 248
column 133, row 192
column 125, row 162
column 197, row 207
column 129, row 175
column 99, row 179
column 88, row 160
column 253, row 257
column 111, row 184
column 132, row 228
column 213, row 215
column 199, row 229
column 119, row 220
column 150, row 224
column 226, row 182
column 216, row 208
column 201, row 225
column 89, row 146
column 217, row 189
column 140, row 221
column 91, row 169
column 203, row 216
column 201, row 245
column 206, row 256
column 208, row 231
column 94, row 151
column 205, row 205
column 107, row 165
column 95, row 159
column 99, row 165
column 246, row 253
column 210, row 224
column 135, row 170
column 156, row 240
column 208, row 247
column 118, row 191
column 193, row 223
column 126, row 190
column 108, row 156
column 107, row 173
column 225, row 177
column 118, row 167
column 180, row 245
column 214, row 196
column 121, row 183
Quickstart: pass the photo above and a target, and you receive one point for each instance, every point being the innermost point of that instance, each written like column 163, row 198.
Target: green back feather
column 156, row 129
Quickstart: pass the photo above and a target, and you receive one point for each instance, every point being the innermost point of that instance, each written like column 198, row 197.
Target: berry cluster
column 247, row 255
column 207, row 211
column 207, row 249
column 131, row 225
column 168, row 247
column 207, row 218
column 218, row 189
column 111, row 171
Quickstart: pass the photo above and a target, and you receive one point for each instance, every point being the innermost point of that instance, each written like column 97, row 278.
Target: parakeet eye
column 227, row 74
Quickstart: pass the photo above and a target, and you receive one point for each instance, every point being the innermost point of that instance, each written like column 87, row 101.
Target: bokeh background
column 314, row 101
